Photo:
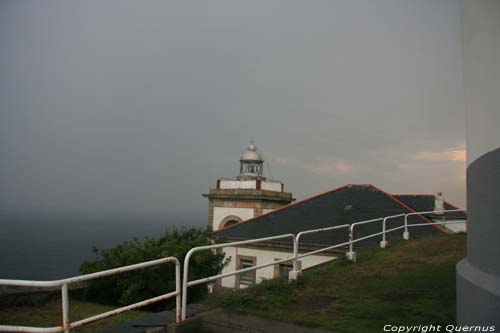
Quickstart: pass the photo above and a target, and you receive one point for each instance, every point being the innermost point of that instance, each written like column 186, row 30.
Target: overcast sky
column 130, row 110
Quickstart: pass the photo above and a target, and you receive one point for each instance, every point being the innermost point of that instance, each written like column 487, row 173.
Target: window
column 230, row 222
column 246, row 278
column 250, row 168
column 283, row 268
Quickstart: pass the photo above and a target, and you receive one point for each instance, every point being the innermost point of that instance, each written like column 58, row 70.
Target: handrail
column 351, row 231
column 63, row 284
column 351, row 254
column 186, row 283
column 406, row 234
column 296, row 247
column 383, row 243
column 181, row 294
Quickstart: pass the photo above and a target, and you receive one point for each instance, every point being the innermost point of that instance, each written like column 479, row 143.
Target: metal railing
column 351, row 255
column 406, row 234
column 269, row 180
column 296, row 241
column 181, row 295
column 186, row 283
column 63, row 284
column 296, row 255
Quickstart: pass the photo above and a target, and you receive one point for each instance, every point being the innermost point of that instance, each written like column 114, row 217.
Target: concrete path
column 220, row 321
column 216, row 321
column 156, row 322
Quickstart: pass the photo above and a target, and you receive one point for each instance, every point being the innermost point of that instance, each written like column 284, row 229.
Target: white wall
column 263, row 257
column 249, row 184
column 270, row 186
column 222, row 212
column 264, row 211
column 237, row 184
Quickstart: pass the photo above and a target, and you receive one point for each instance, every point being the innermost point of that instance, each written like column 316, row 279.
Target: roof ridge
column 289, row 205
column 414, row 195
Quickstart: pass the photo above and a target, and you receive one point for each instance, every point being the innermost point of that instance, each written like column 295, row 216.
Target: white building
column 248, row 195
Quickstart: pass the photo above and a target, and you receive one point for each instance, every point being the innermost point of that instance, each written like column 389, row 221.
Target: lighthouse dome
column 251, row 154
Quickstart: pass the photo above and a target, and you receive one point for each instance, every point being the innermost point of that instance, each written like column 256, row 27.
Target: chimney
column 439, row 203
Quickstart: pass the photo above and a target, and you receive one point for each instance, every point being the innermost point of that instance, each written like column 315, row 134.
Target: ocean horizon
column 47, row 250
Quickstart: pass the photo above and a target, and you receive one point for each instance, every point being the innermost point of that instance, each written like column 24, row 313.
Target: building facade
column 340, row 206
column 250, row 194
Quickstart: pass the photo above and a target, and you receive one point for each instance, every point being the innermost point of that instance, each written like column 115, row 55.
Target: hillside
column 409, row 283
column 48, row 314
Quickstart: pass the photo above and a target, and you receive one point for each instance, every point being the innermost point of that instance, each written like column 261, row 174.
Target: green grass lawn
column 409, row 283
column 49, row 314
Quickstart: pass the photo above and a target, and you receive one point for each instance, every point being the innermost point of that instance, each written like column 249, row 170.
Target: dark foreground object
column 478, row 275
column 221, row 321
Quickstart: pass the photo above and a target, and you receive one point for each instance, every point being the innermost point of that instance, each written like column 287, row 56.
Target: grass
column 49, row 314
column 411, row 283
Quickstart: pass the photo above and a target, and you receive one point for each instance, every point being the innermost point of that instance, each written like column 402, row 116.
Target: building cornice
column 249, row 195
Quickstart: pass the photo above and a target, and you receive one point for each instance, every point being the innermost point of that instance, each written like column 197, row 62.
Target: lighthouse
column 248, row 195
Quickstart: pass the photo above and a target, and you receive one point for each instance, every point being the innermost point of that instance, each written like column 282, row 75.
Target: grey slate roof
column 329, row 209
column 425, row 202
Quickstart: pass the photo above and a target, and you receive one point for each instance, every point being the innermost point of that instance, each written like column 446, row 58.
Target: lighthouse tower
column 248, row 195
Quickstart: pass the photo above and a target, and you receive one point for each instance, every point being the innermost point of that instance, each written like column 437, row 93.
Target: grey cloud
column 131, row 110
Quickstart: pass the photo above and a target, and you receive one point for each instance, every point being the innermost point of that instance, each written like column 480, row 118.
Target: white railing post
column 294, row 274
column 65, row 307
column 178, row 291
column 295, row 252
column 383, row 243
column 184, row 285
column 406, row 234
column 351, row 255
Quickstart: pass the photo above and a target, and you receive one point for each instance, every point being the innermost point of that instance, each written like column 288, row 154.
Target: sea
column 46, row 250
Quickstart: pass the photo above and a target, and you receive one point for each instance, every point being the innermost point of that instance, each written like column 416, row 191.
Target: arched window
column 229, row 220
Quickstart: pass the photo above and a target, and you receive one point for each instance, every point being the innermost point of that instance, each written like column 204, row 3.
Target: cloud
column 330, row 167
column 451, row 154
column 279, row 161
column 135, row 123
